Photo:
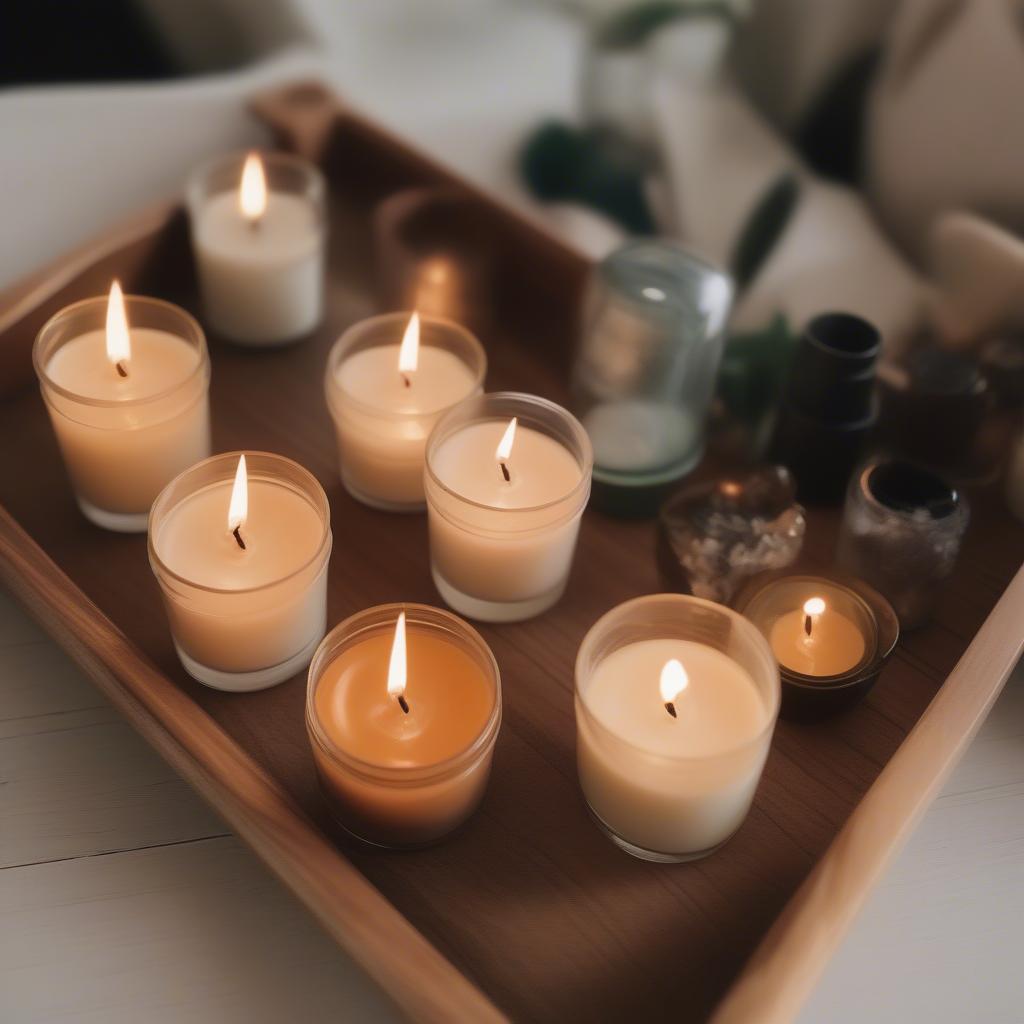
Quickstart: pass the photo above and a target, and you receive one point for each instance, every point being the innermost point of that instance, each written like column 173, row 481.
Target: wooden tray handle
column 300, row 114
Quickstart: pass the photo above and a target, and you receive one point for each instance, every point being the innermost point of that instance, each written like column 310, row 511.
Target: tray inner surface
column 529, row 900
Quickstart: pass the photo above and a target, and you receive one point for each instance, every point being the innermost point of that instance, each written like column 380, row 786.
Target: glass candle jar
column 406, row 772
column 125, row 427
column 507, row 478
column 246, row 596
column 383, row 413
column 645, row 371
column 259, row 239
column 676, row 701
column 831, row 637
column 902, row 528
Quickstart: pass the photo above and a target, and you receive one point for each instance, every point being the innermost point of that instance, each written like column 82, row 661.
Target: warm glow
column 252, row 195
column 238, row 510
column 396, row 667
column 409, row 353
column 814, row 606
column 119, row 348
column 507, row 439
column 673, row 680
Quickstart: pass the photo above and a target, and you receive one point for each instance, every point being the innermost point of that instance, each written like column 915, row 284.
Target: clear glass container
column 120, row 451
column 241, row 637
column 679, row 805
column 261, row 279
column 645, row 371
column 496, row 556
column 382, row 435
column 902, row 528
column 413, row 802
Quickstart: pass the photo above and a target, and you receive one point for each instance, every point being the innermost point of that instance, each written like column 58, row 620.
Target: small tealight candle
column 389, row 379
column 125, row 381
column 403, row 709
column 240, row 544
column 676, row 700
column 259, row 241
column 507, row 478
column 830, row 637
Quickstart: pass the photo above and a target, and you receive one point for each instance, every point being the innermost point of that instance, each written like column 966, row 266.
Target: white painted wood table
column 122, row 897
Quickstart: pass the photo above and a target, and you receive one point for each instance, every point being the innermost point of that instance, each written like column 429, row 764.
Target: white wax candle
column 242, row 610
column 669, row 784
column 833, row 645
column 382, row 434
column 492, row 556
column 262, row 279
column 638, row 436
column 133, row 433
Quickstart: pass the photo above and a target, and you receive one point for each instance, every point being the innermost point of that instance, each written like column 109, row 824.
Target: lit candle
column 507, row 480
column 389, row 379
column 403, row 709
column 831, row 638
column 258, row 236
column 125, row 381
column 672, row 732
column 239, row 544
column 816, row 640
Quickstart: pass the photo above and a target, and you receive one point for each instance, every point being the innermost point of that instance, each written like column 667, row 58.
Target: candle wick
column 121, row 369
column 237, row 533
column 403, row 703
column 671, row 709
column 807, row 624
column 255, row 223
column 505, row 473
column 406, row 381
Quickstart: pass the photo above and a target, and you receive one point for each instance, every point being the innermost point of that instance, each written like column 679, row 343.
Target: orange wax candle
column 403, row 710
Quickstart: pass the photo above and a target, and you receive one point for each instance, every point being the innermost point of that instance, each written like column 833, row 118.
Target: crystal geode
column 713, row 535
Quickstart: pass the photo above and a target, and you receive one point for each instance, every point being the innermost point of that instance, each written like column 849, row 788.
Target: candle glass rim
column 883, row 642
column 313, row 492
column 197, row 185
column 861, row 488
column 451, row 419
column 194, row 336
column 372, row 621
column 351, row 336
column 751, row 634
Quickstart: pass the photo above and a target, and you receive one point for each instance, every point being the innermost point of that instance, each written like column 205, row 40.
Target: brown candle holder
column 767, row 596
column 434, row 255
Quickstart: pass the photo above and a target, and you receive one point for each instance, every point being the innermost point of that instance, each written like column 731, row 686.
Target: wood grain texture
column 527, row 901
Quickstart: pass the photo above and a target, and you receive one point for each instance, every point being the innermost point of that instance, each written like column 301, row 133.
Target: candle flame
column 119, row 347
column 397, row 665
column 409, row 353
column 252, row 193
column 505, row 444
column 673, row 680
column 814, row 606
column 238, row 510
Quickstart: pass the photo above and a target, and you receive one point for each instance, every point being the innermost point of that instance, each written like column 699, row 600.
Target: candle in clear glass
column 389, row 379
column 247, row 608
column 127, row 418
column 259, row 238
column 403, row 757
column 676, row 701
column 503, row 529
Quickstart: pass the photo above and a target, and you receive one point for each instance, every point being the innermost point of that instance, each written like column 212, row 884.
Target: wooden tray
column 529, row 911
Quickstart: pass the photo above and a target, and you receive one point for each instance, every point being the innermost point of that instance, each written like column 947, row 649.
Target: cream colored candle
column 672, row 733
column 259, row 248
column 240, row 545
column 125, row 382
column 505, row 496
column 389, row 379
column 403, row 709
column 816, row 640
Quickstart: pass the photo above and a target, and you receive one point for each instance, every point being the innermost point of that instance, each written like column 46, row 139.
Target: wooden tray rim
column 791, row 956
